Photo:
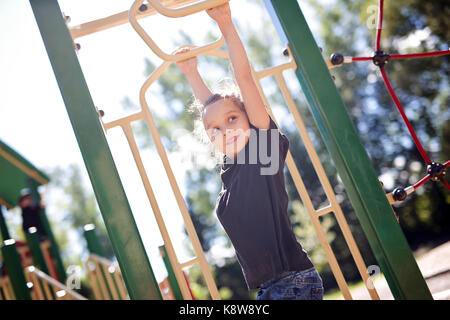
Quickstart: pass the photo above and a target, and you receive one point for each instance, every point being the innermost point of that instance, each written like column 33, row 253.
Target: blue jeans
column 294, row 285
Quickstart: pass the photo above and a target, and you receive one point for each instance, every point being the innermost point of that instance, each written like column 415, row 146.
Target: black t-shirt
column 252, row 208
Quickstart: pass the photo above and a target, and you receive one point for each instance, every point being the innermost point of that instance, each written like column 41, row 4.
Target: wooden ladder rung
column 189, row 263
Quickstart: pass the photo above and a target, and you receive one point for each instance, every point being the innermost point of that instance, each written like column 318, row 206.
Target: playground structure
column 30, row 270
column 106, row 278
column 374, row 212
column 19, row 174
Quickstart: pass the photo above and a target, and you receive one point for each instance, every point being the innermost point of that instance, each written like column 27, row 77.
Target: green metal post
column 92, row 241
column 171, row 274
column 14, row 268
column 37, row 255
column 54, row 248
column 123, row 232
column 352, row 162
column 3, row 226
column 35, row 250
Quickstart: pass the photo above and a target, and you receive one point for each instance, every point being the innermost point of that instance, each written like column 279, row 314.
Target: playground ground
column 435, row 267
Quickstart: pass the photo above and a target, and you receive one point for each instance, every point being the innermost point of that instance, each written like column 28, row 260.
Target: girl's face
column 227, row 126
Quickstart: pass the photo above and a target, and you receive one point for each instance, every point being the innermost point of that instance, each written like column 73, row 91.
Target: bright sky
column 33, row 118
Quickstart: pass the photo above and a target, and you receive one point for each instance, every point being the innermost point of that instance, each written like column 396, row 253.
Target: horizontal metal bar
column 277, row 69
column 189, row 263
column 185, row 10
column 157, row 50
column 103, row 261
column 118, row 19
column 124, row 120
column 324, row 210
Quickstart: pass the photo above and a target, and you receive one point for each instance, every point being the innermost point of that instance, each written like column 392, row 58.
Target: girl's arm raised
column 189, row 68
column 254, row 105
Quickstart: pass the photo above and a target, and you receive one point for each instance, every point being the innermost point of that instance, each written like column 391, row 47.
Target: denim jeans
column 295, row 285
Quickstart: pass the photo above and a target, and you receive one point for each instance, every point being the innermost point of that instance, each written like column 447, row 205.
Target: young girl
column 252, row 206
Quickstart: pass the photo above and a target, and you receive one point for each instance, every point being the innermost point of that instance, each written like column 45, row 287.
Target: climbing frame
column 348, row 154
column 145, row 114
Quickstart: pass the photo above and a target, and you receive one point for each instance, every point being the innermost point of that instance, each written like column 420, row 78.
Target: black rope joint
column 380, row 58
column 399, row 194
column 337, row 59
column 436, row 171
column 143, row 7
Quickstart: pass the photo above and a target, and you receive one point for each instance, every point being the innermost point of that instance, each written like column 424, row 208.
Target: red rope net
column 435, row 170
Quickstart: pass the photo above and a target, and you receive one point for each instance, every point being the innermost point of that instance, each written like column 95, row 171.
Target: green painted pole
column 54, row 248
column 352, row 162
column 92, row 240
column 37, row 255
column 14, row 268
column 3, row 226
column 171, row 274
column 35, row 250
column 123, row 232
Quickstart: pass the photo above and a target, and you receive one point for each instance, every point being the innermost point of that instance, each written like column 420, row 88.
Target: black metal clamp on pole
column 337, row 59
